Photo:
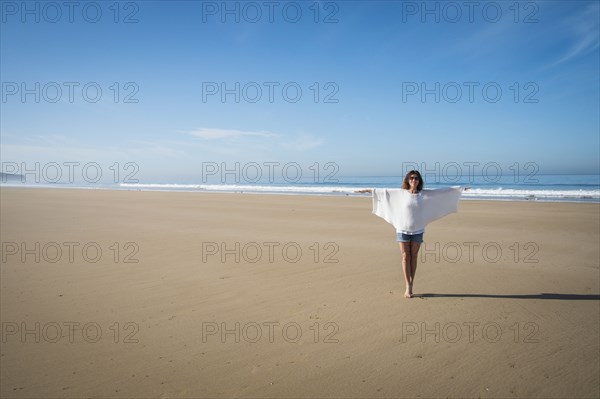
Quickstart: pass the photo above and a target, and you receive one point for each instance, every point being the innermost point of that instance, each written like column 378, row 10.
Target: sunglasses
column 413, row 178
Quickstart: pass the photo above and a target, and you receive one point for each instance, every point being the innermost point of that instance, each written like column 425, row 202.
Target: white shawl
column 410, row 213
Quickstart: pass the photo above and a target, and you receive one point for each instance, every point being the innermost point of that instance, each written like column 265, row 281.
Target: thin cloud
column 301, row 143
column 304, row 143
column 218, row 134
column 586, row 32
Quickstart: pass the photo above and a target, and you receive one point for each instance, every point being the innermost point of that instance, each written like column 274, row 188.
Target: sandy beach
column 155, row 294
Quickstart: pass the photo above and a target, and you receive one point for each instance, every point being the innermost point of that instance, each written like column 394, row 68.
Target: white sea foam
column 497, row 193
column 473, row 193
column 244, row 188
column 532, row 194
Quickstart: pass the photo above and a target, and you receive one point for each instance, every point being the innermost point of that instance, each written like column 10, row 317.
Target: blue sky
column 361, row 74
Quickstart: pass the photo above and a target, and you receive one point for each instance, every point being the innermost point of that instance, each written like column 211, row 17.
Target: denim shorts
column 401, row 237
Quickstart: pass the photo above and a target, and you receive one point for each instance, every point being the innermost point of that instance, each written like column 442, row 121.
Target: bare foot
column 408, row 294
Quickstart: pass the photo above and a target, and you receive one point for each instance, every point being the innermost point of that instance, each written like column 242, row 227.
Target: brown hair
column 406, row 184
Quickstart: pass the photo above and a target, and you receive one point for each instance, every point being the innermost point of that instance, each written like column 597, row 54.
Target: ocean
column 551, row 187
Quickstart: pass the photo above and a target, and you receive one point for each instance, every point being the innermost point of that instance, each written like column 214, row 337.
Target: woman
column 409, row 210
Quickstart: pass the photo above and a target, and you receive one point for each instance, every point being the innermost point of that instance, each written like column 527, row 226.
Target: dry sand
column 507, row 298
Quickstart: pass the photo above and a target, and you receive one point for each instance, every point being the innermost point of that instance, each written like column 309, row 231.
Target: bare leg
column 406, row 267
column 414, row 252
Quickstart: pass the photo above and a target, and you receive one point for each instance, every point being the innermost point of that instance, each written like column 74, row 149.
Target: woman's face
column 413, row 180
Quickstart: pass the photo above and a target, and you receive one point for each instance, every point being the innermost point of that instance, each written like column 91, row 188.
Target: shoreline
column 302, row 194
